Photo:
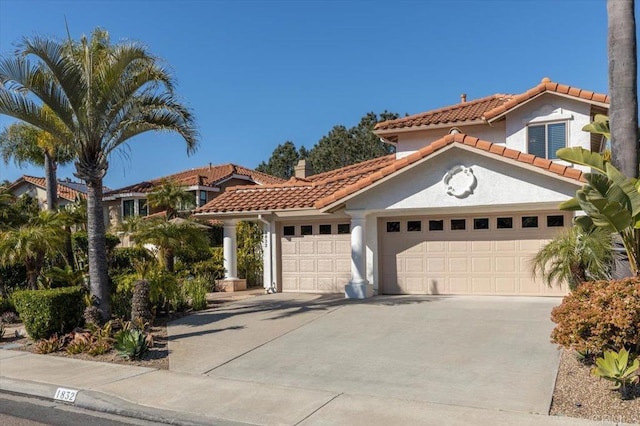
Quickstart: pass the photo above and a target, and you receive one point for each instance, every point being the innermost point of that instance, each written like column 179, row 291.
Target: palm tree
column 623, row 63
column 574, row 256
column 30, row 244
column 25, row 143
column 169, row 236
column 170, row 197
column 104, row 94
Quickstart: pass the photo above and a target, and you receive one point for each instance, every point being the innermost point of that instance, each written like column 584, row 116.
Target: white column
column 229, row 249
column 358, row 287
column 267, row 257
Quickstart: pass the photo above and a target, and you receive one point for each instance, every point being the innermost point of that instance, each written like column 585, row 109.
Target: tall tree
column 24, row 143
column 283, row 161
column 623, row 111
column 342, row 147
column 104, row 94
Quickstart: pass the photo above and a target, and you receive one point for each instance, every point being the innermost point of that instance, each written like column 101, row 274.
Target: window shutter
column 536, row 142
column 557, row 138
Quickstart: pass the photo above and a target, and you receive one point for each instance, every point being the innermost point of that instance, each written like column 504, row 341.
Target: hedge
column 46, row 312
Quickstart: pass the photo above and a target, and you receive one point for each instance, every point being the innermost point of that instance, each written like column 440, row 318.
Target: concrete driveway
column 481, row 352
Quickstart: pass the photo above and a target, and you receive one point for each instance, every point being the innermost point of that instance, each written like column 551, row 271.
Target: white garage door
column 316, row 257
column 479, row 254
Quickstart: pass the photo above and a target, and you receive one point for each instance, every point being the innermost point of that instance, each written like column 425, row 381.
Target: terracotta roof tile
column 67, row 190
column 459, row 113
column 333, row 186
column 204, row 176
column 546, row 85
column 486, row 108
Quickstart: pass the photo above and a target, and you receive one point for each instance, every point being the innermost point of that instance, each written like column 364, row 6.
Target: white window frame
column 546, row 136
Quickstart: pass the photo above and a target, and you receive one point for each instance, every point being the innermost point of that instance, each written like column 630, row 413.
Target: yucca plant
column 131, row 344
column 615, row 366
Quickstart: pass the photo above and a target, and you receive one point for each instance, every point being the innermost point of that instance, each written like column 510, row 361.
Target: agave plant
column 615, row 367
column 131, row 344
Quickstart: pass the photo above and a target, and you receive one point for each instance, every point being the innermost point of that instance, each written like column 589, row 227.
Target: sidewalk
column 187, row 399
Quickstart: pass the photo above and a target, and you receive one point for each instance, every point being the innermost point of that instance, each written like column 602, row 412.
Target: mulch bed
column 578, row 393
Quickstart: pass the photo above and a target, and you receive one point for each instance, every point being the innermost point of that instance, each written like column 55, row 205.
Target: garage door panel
column 480, row 264
column 326, row 247
column 458, row 264
column 493, row 261
column 481, row 285
column 315, row 262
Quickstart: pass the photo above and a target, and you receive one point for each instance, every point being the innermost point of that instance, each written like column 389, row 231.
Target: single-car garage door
column 316, row 256
column 478, row 254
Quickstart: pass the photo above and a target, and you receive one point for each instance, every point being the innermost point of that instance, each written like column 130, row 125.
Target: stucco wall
column 498, row 183
column 547, row 108
column 413, row 141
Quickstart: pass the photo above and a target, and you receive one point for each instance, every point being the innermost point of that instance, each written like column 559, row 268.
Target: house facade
column 470, row 196
column 204, row 183
column 36, row 188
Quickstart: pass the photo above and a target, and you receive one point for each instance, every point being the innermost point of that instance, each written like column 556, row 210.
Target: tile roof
column 204, row 176
column 67, row 190
column 546, row 85
column 488, row 108
column 459, row 113
column 320, row 191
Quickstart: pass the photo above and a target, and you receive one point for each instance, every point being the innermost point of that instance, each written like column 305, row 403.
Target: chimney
column 463, row 98
column 303, row 170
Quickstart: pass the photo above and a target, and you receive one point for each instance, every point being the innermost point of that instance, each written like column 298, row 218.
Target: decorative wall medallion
column 460, row 181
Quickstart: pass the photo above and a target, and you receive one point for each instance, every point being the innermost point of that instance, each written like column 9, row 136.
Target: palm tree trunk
column 99, row 280
column 51, row 181
column 623, row 111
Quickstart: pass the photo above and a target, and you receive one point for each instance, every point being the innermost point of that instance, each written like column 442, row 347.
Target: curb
column 105, row 403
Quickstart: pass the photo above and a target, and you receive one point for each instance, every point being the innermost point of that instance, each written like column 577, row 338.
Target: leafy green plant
column 196, row 292
column 81, row 342
column 47, row 346
column 131, row 344
column 574, row 256
column 45, row 312
column 599, row 315
column 615, row 367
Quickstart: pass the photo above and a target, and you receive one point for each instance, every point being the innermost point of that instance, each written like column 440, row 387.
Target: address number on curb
column 66, row 395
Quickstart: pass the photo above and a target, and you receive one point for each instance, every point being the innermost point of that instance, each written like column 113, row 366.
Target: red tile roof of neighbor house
column 66, row 190
column 204, row 176
column 322, row 190
column 488, row 108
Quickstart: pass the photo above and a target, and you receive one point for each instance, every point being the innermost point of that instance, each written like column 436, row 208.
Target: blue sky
column 259, row 73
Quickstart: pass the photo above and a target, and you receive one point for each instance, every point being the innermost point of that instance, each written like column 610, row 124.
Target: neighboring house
column 35, row 187
column 469, row 197
column 205, row 183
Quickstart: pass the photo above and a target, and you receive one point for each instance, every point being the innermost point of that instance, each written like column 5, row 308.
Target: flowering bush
column 598, row 316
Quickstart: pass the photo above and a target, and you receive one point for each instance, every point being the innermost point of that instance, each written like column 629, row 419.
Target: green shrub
column 6, row 305
column 125, row 258
column 196, row 292
column 13, row 277
column 46, row 312
column 599, row 316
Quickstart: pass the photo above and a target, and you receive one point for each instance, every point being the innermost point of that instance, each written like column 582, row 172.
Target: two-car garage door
column 479, row 254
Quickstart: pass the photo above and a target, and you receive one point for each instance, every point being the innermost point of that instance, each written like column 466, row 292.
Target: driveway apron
column 484, row 352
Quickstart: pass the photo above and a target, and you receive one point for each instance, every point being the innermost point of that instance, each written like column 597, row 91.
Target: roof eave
column 394, row 131
column 564, row 95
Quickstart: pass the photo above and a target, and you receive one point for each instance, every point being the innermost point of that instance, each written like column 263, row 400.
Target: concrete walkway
column 271, row 332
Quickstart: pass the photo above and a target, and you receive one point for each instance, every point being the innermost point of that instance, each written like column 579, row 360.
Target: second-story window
column 203, row 198
column 543, row 140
